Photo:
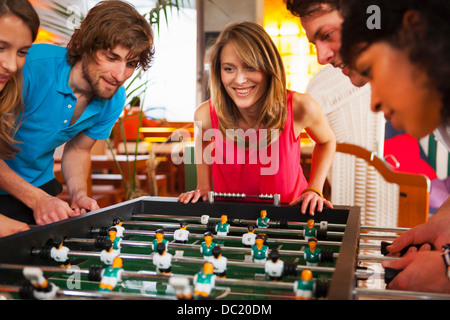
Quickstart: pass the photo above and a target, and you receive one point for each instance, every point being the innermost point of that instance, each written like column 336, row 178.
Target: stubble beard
column 94, row 80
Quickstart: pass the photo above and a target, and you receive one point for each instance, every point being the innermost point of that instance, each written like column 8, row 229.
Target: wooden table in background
column 106, row 162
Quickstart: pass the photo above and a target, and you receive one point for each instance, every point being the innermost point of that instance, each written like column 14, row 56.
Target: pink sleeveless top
column 274, row 169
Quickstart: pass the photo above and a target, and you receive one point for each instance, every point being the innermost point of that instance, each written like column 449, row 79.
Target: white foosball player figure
column 248, row 239
column 204, row 219
column 274, row 266
column 181, row 235
column 108, row 256
column 162, row 259
column 60, row 254
column 181, row 287
column 219, row 262
column 42, row 288
column 118, row 224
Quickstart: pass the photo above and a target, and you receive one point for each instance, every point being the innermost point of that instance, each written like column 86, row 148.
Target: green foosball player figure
column 312, row 253
column 310, row 231
column 304, row 287
column 223, row 227
column 204, row 281
column 115, row 240
column 207, row 246
column 159, row 239
column 259, row 250
column 263, row 220
column 111, row 275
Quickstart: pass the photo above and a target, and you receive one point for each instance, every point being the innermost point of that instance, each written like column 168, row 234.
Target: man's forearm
column 76, row 167
column 18, row 187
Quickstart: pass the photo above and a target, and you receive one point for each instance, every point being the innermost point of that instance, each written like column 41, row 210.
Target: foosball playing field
column 158, row 248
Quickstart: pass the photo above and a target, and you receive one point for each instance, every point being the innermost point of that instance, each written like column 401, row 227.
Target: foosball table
column 159, row 248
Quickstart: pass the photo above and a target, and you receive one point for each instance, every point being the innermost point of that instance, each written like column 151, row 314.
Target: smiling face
column 323, row 29
column 400, row 89
column 15, row 40
column 243, row 84
column 109, row 72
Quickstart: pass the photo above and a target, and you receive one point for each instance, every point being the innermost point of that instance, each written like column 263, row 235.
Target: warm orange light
column 45, row 36
column 299, row 57
column 37, row 3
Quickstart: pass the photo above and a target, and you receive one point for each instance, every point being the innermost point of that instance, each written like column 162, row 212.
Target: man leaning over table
column 72, row 95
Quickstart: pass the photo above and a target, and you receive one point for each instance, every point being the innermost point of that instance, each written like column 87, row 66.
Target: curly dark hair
column 301, row 8
column 427, row 42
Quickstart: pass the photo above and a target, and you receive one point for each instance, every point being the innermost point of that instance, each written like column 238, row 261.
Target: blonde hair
column 10, row 108
column 11, row 96
column 255, row 47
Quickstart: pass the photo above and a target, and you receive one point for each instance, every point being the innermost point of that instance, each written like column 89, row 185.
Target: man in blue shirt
column 72, row 95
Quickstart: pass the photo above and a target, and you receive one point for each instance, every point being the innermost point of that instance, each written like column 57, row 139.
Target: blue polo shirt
column 48, row 108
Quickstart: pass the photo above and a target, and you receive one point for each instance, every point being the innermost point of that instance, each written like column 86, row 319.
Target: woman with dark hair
column 404, row 55
column 19, row 26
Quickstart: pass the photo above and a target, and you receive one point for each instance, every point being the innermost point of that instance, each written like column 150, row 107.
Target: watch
column 446, row 257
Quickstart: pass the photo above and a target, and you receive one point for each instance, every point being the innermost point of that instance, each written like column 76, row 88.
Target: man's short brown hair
column 109, row 24
column 302, row 8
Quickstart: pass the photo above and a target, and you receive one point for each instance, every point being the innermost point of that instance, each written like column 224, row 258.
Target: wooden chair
column 358, row 177
column 398, row 199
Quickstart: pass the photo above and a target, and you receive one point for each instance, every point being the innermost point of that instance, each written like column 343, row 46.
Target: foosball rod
column 288, row 232
column 149, row 275
column 216, row 237
column 172, row 245
column 175, row 245
column 153, row 276
column 193, row 260
column 64, row 294
column 132, row 232
column 294, row 224
column 144, row 233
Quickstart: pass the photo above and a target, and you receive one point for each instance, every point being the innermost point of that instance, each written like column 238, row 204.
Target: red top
column 274, row 169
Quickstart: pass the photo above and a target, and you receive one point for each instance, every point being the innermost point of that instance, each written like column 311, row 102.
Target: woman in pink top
column 248, row 135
